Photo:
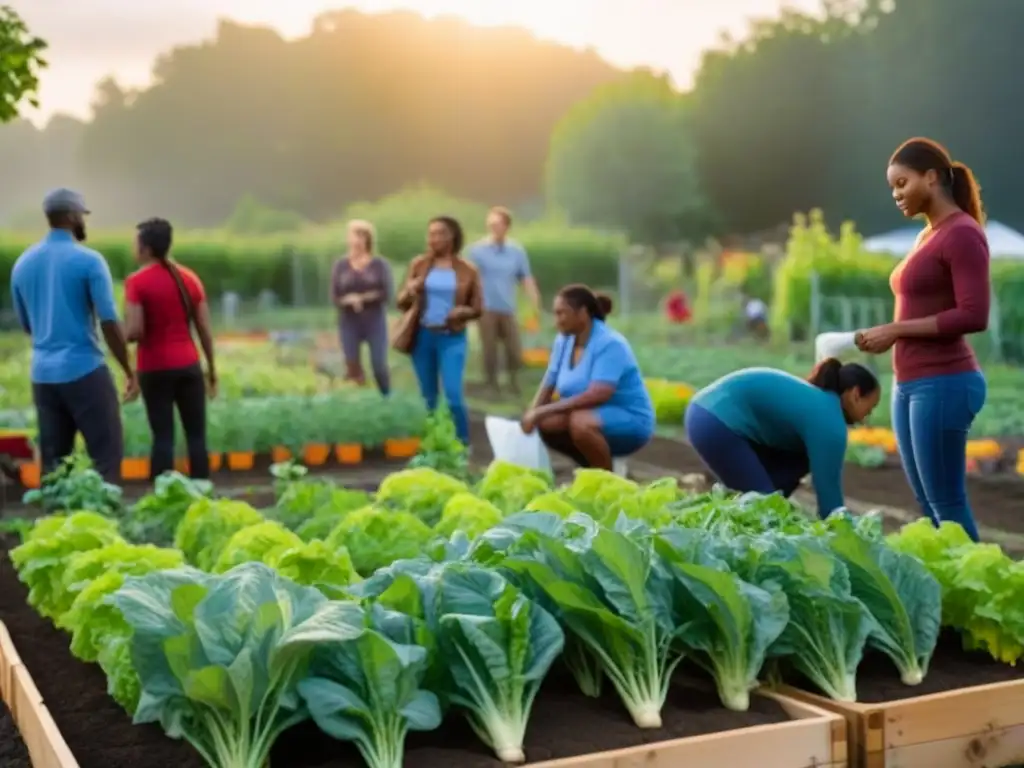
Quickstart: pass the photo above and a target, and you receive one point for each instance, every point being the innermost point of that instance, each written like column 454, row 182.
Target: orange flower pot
column 315, row 454
column 401, row 447
column 279, row 453
column 239, row 461
column 135, row 469
column 216, row 461
column 181, row 465
column 348, row 454
column 30, row 474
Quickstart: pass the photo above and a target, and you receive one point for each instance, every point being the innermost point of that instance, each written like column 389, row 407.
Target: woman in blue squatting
column 603, row 410
column 763, row 430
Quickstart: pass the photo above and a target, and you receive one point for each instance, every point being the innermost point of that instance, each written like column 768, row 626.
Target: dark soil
column 564, row 722
column 951, row 667
column 13, row 752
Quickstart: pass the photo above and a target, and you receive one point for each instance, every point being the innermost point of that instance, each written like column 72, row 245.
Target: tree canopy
column 802, row 111
column 20, row 62
column 625, row 157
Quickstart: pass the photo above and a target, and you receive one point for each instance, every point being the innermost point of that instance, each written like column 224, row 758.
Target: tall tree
column 624, row 157
column 20, row 62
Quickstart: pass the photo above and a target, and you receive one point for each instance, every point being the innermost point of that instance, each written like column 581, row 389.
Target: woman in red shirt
column 942, row 292
column 164, row 300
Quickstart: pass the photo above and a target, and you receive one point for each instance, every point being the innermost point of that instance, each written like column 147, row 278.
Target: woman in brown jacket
column 442, row 294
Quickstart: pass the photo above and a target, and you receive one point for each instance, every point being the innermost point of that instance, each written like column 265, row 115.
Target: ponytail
column 826, row 375
column 966, row 192
column 832, row 375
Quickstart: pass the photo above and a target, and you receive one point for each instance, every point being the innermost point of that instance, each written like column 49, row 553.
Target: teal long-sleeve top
column 779, row 410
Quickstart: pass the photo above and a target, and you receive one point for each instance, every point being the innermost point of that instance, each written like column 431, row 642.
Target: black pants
column 161, row 391
column 89, row 405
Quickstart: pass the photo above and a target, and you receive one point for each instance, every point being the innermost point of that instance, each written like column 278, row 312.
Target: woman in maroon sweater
column 942, row 294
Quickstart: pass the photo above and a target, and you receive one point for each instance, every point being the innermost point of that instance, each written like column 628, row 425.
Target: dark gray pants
column 370, row 326
column 89, row 405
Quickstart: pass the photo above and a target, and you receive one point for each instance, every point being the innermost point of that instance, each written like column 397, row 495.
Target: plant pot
column 216, row 461
column 181, row 465
column 135, row 469
column 30, row 474
column 239, row 461
column 315, row 454
column 401, row 447
column 279, row 454
column 348, row 453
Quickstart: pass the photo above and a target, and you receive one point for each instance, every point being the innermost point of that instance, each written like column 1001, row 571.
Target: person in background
column 361, row 289
column 603, row 409
column 755, row 312
column 163, row 300
column 60, row 289
column 440, row 295
column 942, row 291
column 503, row 266
column 763, row 430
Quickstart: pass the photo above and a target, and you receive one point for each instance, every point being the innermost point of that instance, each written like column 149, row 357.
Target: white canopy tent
column 1003, row 242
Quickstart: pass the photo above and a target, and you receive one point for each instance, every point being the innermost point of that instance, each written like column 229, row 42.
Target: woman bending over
column 763, row 430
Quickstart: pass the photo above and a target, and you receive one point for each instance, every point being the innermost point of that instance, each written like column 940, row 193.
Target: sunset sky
column 89, row 40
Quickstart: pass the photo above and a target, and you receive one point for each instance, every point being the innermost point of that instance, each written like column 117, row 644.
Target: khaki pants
column 496, row 328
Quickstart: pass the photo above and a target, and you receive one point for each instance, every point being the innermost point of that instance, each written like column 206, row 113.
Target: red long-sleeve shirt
column 947, row 276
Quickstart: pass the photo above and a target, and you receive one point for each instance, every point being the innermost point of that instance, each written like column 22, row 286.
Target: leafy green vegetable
column 75, row 486
column 219, row 658
column 729, row 623
column 207, row 527
column 469, row 514
column 156, row 516
column 365, row 687
column 376, row 537
column 49, row 546
column 904, row 599
column 610, row 593
column 422, row 492
column 257, row 543
column 315, row 564
column 510, row 487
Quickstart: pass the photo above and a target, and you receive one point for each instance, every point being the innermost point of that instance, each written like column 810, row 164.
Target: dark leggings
column 368, row 326
column 741, row 464
column 161, row 392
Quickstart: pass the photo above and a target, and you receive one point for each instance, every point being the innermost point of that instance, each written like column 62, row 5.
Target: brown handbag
column 405, row 329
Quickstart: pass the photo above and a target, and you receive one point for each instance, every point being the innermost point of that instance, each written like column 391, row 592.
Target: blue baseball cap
column 64, row 200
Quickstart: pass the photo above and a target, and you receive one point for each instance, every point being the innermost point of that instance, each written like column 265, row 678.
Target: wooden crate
column 979, row 727
column 814, row 738
column 46, row 747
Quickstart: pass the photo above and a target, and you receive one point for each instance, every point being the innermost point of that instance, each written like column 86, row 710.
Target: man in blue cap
column 60, row 289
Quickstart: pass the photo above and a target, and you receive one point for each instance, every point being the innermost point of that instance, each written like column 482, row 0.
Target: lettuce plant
column 207, row 527
column 219, row 657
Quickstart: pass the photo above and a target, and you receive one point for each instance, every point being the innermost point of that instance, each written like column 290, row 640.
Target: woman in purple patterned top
column 361, row 289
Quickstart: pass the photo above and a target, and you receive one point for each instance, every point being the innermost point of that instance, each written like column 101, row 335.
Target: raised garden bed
column 568, row 730
column 967, row 713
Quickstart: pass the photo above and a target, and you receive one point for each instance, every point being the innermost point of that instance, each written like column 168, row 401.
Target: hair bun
column 604, row 302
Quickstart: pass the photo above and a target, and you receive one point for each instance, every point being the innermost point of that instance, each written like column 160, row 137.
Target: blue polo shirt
column 60, row 288
column 502, row 266
column 778, row 410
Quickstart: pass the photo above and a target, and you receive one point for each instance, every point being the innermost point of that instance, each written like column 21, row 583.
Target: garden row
column 345, row 628
column 335, row 426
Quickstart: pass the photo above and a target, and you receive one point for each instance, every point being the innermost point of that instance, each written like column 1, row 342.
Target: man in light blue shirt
column 60, row 289
column 503, row 266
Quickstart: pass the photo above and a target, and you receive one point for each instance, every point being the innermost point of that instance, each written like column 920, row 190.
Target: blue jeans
column 740, row 464
column 931, row 418
column 439, row 355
